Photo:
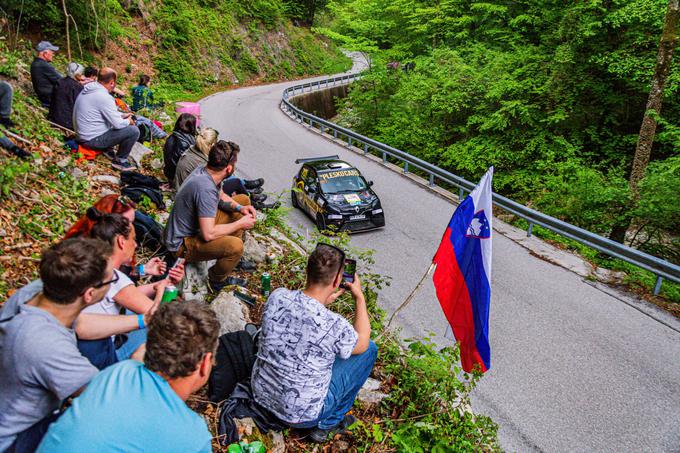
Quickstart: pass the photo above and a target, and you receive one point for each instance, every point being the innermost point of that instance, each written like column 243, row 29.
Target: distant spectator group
column 93, row 357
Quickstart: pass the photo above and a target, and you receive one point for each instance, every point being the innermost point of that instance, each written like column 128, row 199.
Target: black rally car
column 336, row 196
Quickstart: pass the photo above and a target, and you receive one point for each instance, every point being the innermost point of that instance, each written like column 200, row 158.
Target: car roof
column 329, row 165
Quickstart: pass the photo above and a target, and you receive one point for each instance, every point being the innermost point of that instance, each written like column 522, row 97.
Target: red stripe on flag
column 454, row 298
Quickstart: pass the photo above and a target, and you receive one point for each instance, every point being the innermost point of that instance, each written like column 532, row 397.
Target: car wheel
column 320, row 222
column 293, row 199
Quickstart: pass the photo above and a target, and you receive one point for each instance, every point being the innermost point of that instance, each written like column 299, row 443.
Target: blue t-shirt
column 128, row 407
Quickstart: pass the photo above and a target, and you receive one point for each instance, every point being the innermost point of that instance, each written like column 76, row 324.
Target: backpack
column 133, row 178
column 144, row 133
column 235, row 359
column 149, row 233
column 137, row 193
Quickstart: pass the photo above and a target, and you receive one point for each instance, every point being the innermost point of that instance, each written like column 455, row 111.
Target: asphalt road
column 573, row 367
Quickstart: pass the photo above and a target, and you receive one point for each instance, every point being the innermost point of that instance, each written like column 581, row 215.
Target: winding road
column 576, row 366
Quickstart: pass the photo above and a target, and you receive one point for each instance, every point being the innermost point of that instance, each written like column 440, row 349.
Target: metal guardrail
column 661, row 268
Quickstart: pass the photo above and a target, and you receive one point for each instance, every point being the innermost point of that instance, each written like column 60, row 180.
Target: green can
column 266, row 284
column 169, row 294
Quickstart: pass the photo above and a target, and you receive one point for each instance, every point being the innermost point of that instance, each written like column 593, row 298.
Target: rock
column 339, row 445
column 138, row 152
column 248, row 431
column 609, row 276
column 156, row 164
column 245, row 426
column 231, row 312
column 63, row 163
column 38, row 162
column 370, row 393
column 195, row 282
column 78, row 173
column 253, row 250
column 110, row 179
column 105, row 191
column 3, row 232
column 278, row 444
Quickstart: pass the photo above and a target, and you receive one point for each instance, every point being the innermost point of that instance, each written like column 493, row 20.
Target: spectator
column 90, row 75
column 43, row 74
column 40, row 365
column 155, row 130
column 142, row 96
column 64, row 96
column 141, row 407
column 182, row 137
column 194, row 157
column 100, row 125
column 123, row 295
column 6, row 95
column 312, row 362
column 198, row 231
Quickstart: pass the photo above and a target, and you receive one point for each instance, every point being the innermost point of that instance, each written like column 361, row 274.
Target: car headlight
column 377, row 211
column 334, row 217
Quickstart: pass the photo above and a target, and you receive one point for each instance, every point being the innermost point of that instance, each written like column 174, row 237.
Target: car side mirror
column 370, row 183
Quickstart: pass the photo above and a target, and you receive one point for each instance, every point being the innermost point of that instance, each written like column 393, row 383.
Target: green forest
column 551, row 93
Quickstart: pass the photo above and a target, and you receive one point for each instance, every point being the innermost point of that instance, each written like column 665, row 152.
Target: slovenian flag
column 463, row 275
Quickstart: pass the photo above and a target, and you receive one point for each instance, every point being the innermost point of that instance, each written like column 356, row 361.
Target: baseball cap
column 46, row 45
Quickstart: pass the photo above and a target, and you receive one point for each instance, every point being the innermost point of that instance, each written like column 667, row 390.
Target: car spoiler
column 313, row 159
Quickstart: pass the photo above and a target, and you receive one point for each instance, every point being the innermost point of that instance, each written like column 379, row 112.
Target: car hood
column 350, row 201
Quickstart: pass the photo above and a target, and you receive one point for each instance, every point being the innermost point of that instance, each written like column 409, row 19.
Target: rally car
column 336, row 196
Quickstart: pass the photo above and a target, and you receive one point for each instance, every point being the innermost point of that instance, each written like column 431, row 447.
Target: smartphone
column 179, row 262
column 349, row 270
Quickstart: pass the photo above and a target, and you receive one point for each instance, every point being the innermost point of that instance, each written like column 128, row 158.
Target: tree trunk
column 68, row 37
column 643, row 149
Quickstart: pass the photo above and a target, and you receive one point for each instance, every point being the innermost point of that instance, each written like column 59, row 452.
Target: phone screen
column 349, row 270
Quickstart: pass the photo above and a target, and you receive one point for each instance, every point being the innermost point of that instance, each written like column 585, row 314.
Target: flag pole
column 409, row 298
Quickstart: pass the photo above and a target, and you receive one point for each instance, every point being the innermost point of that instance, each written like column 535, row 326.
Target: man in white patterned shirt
column 311, row 361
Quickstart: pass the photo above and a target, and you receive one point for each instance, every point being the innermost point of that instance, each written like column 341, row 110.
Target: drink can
column 169, row 294
column 266, row 284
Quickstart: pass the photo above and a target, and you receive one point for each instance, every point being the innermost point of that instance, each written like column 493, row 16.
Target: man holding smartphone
column 311, row 361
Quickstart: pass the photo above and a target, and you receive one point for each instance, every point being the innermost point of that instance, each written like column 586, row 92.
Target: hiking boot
column 253, row 183
column 20, row 152
column 109, row 154
column 255, row 191
column 258, row 198
column 216, row 287
column 263, row 206
column 252, row 330
column 7, row 122
column 246, row 266
column 319, row 436
column 122, row 165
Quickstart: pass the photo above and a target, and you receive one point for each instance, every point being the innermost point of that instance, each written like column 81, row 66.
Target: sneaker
column 122, row 165
column 258, row 198
column 20, row 152
column 263, row 206
column 255, row 191
column 319, row 436
column 7, row 122
column 253, row 183
column 216, row 287
column 246, row 266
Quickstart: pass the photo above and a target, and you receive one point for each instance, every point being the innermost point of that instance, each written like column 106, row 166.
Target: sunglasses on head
column 342, row 253
column 125, row 201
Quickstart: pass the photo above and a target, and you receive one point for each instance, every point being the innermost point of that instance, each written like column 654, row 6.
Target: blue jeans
column 125, row 138
column 134, row 341
column 347, row 379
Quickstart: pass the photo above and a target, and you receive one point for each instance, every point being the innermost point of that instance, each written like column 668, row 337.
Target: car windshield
column 342, row 181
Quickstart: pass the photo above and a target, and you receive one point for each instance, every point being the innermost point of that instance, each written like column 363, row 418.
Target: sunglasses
column 108, row 282
column 124, row 201
column 342, row 253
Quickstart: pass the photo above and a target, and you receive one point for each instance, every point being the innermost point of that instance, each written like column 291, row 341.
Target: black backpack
column 149, row 233
column 235, row 359
column 133, row 178
column 137, row 193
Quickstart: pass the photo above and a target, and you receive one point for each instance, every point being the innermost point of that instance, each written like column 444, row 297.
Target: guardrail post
column 405, row 167
column 311, row 123
column 335, row 133
column 384, row 157
column 349, row 141
column 461, row 194
column 365, row 148
column 657, row 287
column 431, row 180
column 323, row 129
column 530, row 229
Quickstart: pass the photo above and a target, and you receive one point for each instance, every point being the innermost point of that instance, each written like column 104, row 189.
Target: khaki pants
column 227, row 250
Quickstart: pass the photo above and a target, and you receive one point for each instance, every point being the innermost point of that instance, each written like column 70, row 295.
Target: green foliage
column 550, row 93
column 10, row 169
